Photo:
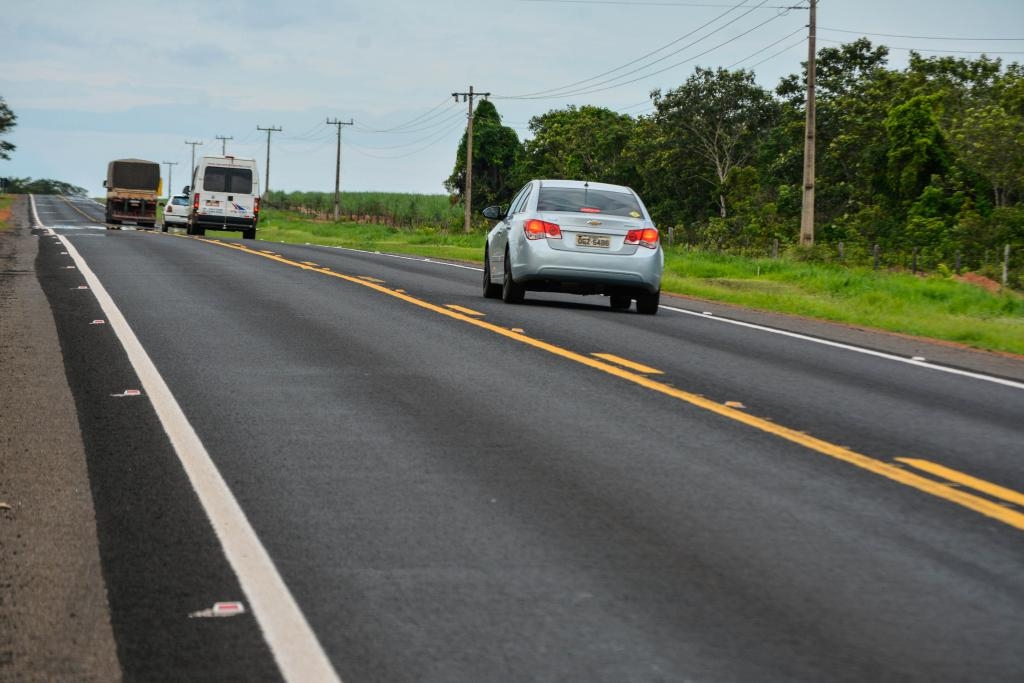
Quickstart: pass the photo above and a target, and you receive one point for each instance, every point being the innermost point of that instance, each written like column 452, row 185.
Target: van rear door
column 229, row 193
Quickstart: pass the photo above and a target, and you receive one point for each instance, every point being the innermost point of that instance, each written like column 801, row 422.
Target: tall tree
column 7, row 122
column 991, row 143
column 721, row 116
column 496, row 150
column 585, row 143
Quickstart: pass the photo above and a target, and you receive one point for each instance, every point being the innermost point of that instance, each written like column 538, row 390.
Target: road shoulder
column 54, row 617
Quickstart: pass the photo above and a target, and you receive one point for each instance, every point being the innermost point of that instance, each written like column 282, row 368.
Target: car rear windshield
column 581, row 199
column 221, row 179
column 180, row 201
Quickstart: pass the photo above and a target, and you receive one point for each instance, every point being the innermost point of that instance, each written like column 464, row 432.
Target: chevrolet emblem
column 593, row 222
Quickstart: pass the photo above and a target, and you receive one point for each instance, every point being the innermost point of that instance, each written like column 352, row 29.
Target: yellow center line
column 632, row 365
column 370, row 278
column 461, row 309
column 994, row 490
column 889, row 471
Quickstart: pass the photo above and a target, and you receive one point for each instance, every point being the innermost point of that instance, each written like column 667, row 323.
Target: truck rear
column 133, row 191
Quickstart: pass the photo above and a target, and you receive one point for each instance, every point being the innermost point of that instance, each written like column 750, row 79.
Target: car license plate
column 599, row 241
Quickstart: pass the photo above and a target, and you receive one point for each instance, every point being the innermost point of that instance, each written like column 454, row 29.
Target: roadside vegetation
column 937, row 306
column 5, row 212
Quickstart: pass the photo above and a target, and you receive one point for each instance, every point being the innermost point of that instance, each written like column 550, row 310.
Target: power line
column 768, row 47
column 192, row 169
column 897, row 35
column 649, row 2
column 641, row 58
column 940, row 50
column 416, row 120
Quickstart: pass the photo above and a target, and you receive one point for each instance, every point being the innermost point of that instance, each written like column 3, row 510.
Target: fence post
column 775, row 248
column 671, row 235
column 913, row 261
column 874, row 249
column 1006, row 265
column 842, row 250
column 956, row 268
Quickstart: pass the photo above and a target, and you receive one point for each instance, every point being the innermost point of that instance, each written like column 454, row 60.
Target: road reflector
column 219, row 609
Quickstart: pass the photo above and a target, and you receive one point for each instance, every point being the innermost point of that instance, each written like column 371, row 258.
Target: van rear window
column 220, row 179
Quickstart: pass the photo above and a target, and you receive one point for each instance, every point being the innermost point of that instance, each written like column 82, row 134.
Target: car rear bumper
column 223, row 222
column 540, row 267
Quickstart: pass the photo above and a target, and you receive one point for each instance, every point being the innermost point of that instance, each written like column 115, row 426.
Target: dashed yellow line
column 467, row 311
column 994, row 490
column 890, row 471
column 632, row 365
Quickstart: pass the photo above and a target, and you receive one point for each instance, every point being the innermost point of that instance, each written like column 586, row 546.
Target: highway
column 400, row 480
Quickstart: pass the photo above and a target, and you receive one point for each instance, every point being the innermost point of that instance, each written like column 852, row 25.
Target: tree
column 917, row 147
column 719, row 116
column 496, row 150
column 585, row 143
column 7, row 122
column 43, row 186
column 991, row 143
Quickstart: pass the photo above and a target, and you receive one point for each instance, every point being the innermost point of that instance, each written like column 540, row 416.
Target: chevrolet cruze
column 577, row 237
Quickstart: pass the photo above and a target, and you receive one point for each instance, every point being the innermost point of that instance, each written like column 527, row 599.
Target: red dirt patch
column 980, row 281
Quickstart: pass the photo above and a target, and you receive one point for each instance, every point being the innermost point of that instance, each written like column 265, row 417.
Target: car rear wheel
column 648, row 303
column 491, row 290
column 249, row 234
column 511, row 293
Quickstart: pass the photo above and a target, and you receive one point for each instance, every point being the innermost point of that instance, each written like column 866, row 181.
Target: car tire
column 620, row 302
column 648, row 303
column 511, row 293
column 163, row 228
column 491, row 290
column 249, row 234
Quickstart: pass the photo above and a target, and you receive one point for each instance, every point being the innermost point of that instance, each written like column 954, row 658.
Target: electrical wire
column 417, row 120
column 939, row 51
column 896, row 35
column 663, row 70
column 768, row 47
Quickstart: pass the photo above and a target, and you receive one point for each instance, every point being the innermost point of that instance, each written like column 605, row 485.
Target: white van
column 225, row 196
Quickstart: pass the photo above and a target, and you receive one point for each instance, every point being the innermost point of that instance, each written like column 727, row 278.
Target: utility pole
column 807, row 210
column 223, row 144
column 468, row 97
column 169, row 176
column 337, row 167
column 193, row 168
column 266, row 177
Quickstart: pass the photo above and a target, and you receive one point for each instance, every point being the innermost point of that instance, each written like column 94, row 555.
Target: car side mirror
column 495, row 213
column 104, row 183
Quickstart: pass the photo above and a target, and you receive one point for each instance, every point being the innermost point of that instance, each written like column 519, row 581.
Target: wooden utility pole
column 193, row 169
column 169, row 176
column 468, row 194
column 337, row 167
column 807, row 211
column 223, row 144
column 266, row 176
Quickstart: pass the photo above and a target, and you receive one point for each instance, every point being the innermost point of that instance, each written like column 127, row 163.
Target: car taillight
column 256, row 206
column 647, row 237
column 195, row 202
column 536, row 229
column 167, row 209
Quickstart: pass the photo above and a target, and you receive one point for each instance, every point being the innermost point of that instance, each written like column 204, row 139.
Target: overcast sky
column 95, row 81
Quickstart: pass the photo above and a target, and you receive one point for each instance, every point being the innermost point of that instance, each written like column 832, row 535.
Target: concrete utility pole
column 193, row 168
column 807, row 211
column 223, row 144
column 468, row 97
column 337, row 167
column 266, row 177
column 169, row 176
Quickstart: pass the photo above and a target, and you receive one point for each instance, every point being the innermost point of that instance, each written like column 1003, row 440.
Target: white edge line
column 295, row 647
column 857, row 349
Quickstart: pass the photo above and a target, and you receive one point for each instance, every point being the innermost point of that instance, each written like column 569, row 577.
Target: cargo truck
column 133, row 190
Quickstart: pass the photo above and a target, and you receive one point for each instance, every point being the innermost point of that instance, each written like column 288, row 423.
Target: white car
column 576, row 237
column 176, row 212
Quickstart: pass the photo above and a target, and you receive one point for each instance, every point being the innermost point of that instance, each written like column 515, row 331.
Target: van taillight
column 256, row 206
column 648, row 237
column 195, row 202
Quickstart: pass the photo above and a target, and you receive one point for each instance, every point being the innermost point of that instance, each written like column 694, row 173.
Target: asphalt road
column 455, row 489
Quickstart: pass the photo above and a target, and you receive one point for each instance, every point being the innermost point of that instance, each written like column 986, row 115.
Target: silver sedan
column 577, row 237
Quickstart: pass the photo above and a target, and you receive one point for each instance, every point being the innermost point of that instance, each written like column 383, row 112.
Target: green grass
column 936, row 307
column 5, row 211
